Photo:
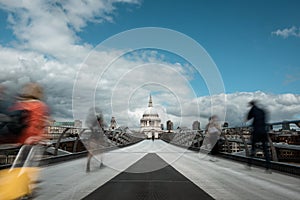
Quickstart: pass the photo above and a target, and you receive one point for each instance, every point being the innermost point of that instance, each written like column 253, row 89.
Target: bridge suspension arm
column 58, row 141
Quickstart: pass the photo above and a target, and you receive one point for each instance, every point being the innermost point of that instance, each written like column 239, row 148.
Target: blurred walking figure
column 35, row 115
column 95, row 144
column 27, row 118
column 30, row 100
column 18, row 181
column 212, row 134
column 259, row 133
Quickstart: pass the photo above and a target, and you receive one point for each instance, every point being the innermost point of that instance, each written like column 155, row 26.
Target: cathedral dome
column 150, row 120
column 151, row 111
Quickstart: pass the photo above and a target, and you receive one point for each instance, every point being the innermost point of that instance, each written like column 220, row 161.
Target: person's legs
column 213, row 146
column 205, row 144
column 89, row 157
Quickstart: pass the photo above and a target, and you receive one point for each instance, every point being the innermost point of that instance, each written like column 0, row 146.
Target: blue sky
column 237, row 35
column 255, row 45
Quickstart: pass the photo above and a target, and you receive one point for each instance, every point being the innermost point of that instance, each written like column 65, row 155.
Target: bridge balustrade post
column 273, row 150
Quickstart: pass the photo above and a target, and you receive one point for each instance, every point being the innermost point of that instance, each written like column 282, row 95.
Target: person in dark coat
column 259, row 133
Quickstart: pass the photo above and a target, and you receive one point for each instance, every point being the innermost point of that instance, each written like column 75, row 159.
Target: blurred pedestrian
column 212, row 134
column 30, row 100
column 95, row 142
column 259, row 133
column 32, row 116
column 29, row 116
column 28, row 132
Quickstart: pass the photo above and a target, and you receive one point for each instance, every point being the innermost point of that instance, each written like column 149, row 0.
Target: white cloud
column 47, row 49
column 279, row 107
column 50, row 27
column 124, row 86
column 287, row 32
column 121, row 91
column 46, row 31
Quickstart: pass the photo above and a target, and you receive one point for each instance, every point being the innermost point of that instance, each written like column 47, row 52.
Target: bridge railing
column 70, row 140
column 237, row 140
column 65, row 140
column 186, row 138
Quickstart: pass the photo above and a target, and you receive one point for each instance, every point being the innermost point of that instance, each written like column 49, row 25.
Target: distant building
column 55, row 129
column 150, row 122
column 233, row 134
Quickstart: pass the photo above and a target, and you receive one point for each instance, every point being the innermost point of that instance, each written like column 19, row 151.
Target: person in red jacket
column 23, row 173
column 30, row 100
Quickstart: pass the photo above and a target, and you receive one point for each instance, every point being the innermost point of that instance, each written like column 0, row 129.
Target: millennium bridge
column 128, row 166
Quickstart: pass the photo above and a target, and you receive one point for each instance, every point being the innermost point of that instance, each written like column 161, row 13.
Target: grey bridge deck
column 157, row 170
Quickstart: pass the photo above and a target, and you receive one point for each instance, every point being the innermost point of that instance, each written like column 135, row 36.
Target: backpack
column 13, row 123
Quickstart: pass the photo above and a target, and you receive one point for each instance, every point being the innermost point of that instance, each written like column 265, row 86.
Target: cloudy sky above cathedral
column 95, row 53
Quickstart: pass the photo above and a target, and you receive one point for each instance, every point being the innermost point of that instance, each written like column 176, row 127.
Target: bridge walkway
column 158, row 170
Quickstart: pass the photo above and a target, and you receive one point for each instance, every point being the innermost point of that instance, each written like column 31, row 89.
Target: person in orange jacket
column 32, row 117
column 18, row 181
column 30, row 100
